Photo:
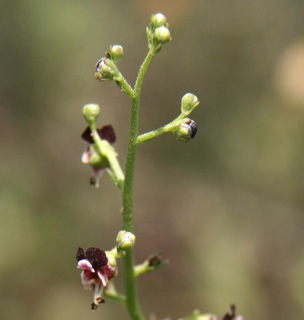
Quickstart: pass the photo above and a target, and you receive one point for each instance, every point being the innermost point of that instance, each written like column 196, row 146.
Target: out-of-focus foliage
column 226, row 208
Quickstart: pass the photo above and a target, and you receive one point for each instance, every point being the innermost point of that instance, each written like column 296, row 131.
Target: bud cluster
column 106, row 69
column 158, row 32
column 188, row 128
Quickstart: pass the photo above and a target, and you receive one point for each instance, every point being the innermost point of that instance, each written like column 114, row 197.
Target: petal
column 85, row 265
column 109, row 271
column 96, row 173
column 88, row 277
column 104, row 279
column 96, row 257
column 86, row 135
column 80, row 254
column 107, row 133
column 98, row 290
column 85, row 158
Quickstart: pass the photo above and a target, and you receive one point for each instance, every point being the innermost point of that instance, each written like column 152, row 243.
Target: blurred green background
column 226, row 208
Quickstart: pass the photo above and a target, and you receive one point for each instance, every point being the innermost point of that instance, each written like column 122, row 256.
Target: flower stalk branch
column 145, row 137
column 98, row 266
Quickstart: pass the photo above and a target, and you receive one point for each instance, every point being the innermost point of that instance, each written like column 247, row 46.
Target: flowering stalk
column 131, row 300
column 98, row 266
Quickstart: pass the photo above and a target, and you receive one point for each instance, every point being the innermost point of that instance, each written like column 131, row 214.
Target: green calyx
column 97, row 160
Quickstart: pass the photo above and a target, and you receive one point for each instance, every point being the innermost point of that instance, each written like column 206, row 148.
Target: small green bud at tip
column 189, row 103
column 157, row 20
column 91, row 112
column 116, row 52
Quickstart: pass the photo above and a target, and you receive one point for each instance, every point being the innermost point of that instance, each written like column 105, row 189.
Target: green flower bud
column 186, row 131
column 157, row 20
column 91, row 112
column 116, row 52
column 189, row 103
column 125, row 240
column 162, row 35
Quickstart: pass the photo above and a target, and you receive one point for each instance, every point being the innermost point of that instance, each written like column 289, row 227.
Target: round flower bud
column 116, row 52
column 186, row 131
column 91, row 112
column 189, row 103
column 157, row 20
column 162, row 35
column 125, row 240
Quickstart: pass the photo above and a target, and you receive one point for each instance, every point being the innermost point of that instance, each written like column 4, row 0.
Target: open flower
column 92, row 157
column 97, row 271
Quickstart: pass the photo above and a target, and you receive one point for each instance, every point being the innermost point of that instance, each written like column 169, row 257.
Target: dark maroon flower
column 105, row 133
column 97, row 271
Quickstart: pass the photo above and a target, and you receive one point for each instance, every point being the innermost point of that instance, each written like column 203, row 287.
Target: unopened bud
column 91, row 112
column 162, row 35
column 157, row 20
column 125, row 240
column 116, row 52
column 186, row 131
column 189, row 103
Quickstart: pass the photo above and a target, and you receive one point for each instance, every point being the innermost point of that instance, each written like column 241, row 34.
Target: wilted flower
column 90, row 156
column 186, row 131
column 104, row 72
column 97, row 271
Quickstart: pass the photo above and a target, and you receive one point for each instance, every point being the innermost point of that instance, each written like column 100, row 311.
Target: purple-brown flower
column 99, row 163
column 97, row 271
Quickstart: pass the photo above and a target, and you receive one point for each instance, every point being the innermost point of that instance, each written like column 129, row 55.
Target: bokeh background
column 226, row 208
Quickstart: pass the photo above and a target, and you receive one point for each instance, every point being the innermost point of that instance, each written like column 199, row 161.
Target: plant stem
column 157, row 132
column 130, row 279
